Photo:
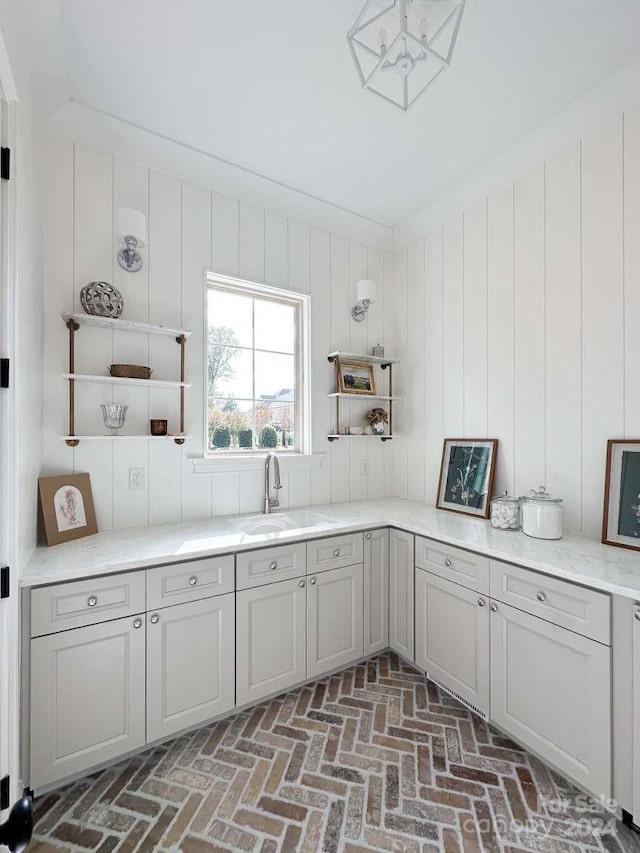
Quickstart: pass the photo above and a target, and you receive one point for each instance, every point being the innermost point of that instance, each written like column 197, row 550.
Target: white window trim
column 228, row 460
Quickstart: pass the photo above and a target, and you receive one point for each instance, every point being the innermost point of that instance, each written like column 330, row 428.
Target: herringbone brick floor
column 375, row 758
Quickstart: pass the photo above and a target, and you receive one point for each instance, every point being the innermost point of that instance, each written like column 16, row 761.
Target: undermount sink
column 280, row 522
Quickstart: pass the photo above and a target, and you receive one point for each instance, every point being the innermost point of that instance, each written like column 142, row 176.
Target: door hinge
column 5, row 589
column 4, row 372
column 4, row 793
column 5, row 163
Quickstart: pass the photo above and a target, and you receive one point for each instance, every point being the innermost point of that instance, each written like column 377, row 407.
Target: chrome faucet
column 271, row 503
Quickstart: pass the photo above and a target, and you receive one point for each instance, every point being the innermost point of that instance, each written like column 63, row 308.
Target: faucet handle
column 277, row 486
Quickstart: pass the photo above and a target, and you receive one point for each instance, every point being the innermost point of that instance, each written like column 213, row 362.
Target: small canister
column 542, row 515
column 377, row 351
column 505, row 512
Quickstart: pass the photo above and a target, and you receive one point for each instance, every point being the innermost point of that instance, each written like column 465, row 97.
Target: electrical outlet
column 364, row 467
column 137, row 479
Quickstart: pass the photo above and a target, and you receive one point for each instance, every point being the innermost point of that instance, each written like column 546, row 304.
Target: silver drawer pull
column 154, row 619
column 368, row 536
column 637, row 614
column 312, row 581
column 541, row 596
column 273, row 565
column 301, row 584
column 193, row 580
column 92, row 601
column 481, row 602
column 448, row 563
column 493, row 608
column 137, row 623
column 336, row 553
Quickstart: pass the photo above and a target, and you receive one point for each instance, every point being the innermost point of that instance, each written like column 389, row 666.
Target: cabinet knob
column 301, row 584
column 541, row 596
column 336, row 553
column 154, row 619
column 92, row 601
column 312, row 581
column 448, row 563
column 637, row 614
column 137, row 623
column 368, row 536
column 493, row 608
column 193, row 580
column 481, row 602
column 273, row 565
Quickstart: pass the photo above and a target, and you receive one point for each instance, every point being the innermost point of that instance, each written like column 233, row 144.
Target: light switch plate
column 137, row 479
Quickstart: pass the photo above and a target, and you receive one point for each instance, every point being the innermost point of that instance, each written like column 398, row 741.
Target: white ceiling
column 271, row 86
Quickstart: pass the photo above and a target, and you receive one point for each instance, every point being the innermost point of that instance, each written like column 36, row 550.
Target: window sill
column 253, row 462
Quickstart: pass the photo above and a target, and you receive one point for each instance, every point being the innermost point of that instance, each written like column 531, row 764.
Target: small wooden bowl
column 130, row 371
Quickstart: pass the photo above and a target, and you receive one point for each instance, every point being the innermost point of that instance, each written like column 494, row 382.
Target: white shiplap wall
column 522, row 315
column 191, row 228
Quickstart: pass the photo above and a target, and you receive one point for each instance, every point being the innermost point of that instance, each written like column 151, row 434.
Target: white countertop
column 574, row 557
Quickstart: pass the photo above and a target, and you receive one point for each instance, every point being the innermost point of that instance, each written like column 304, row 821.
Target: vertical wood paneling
column 130, row 508
column 475, row 321
column 500, row 336
column 339, row 272
column 563, row 423
column 224, row 228
column 631, row 272
column 395, row 326
column 251, row 242
column 602, row 311
column 414, row 406
column 298, row 256
column 452, row 330
column 321, row 407
column 374, row 334
column 434, row 363
column 529, row 330
column 276, row 251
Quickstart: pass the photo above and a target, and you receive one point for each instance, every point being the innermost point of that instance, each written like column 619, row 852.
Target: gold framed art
column 356, row 377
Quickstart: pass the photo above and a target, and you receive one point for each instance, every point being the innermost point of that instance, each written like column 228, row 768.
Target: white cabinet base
column 335, row 619
column 401, row 593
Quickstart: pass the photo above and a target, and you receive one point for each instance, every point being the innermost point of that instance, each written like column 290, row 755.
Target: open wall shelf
column 385, row 364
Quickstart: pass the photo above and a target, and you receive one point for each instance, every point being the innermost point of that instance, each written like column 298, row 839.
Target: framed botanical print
column 356, row 377
column 66, row 505
column 621, row 516
column 466, row 475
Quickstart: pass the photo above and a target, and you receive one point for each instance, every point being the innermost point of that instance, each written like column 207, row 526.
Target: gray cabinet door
column 551, row 689
column 270, row 639
column 452, row 637
column 636, row 712
column 190, row 664
column 87, row 697
column 376, row 591
column 335, row 619
column 401, row 593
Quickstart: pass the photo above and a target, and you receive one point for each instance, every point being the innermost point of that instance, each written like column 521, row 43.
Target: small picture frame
column 356, row 377
column 621, row 514
column 66, row 506
column 466, row 475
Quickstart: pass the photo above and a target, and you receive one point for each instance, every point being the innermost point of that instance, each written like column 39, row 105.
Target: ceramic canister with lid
column 505, row 512
column 542, row 514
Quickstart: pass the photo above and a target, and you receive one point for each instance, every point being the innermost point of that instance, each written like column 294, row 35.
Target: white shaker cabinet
column 635, row 657
column 452, row 637
column 335, row 619
column 551, row 689
column 87, row 697
column 190, row 664
column 270, row 639
column 376, row 591
column 401, row 593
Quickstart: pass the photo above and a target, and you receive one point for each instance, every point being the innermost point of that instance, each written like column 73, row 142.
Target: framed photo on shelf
column 356, row 377
column 66, row 506
column 466, row 475
column 621, row 515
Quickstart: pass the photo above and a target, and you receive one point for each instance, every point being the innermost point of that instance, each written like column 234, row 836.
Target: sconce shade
column 132, row 223
column 366, row 289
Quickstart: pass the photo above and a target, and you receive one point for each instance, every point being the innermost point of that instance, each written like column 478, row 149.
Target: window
column 255, row 367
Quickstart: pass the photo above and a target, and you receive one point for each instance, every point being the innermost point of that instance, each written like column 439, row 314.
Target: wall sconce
column 365, row 296
column 132, row 231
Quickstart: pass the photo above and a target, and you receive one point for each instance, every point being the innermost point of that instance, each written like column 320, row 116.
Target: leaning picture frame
column 66, row 508
column 467, row 472
column 356, row 377
column 621, row 511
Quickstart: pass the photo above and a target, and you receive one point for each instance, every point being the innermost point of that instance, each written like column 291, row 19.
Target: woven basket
column 130, row 371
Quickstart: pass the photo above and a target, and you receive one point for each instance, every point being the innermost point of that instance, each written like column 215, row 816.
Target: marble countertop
column 574, row 557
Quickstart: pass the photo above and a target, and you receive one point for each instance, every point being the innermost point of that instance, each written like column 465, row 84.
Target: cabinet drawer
column 192, row 581
column 454, row 564
column 80, row 603
column 255, row 568
column 335, row 552
column 584, row 611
